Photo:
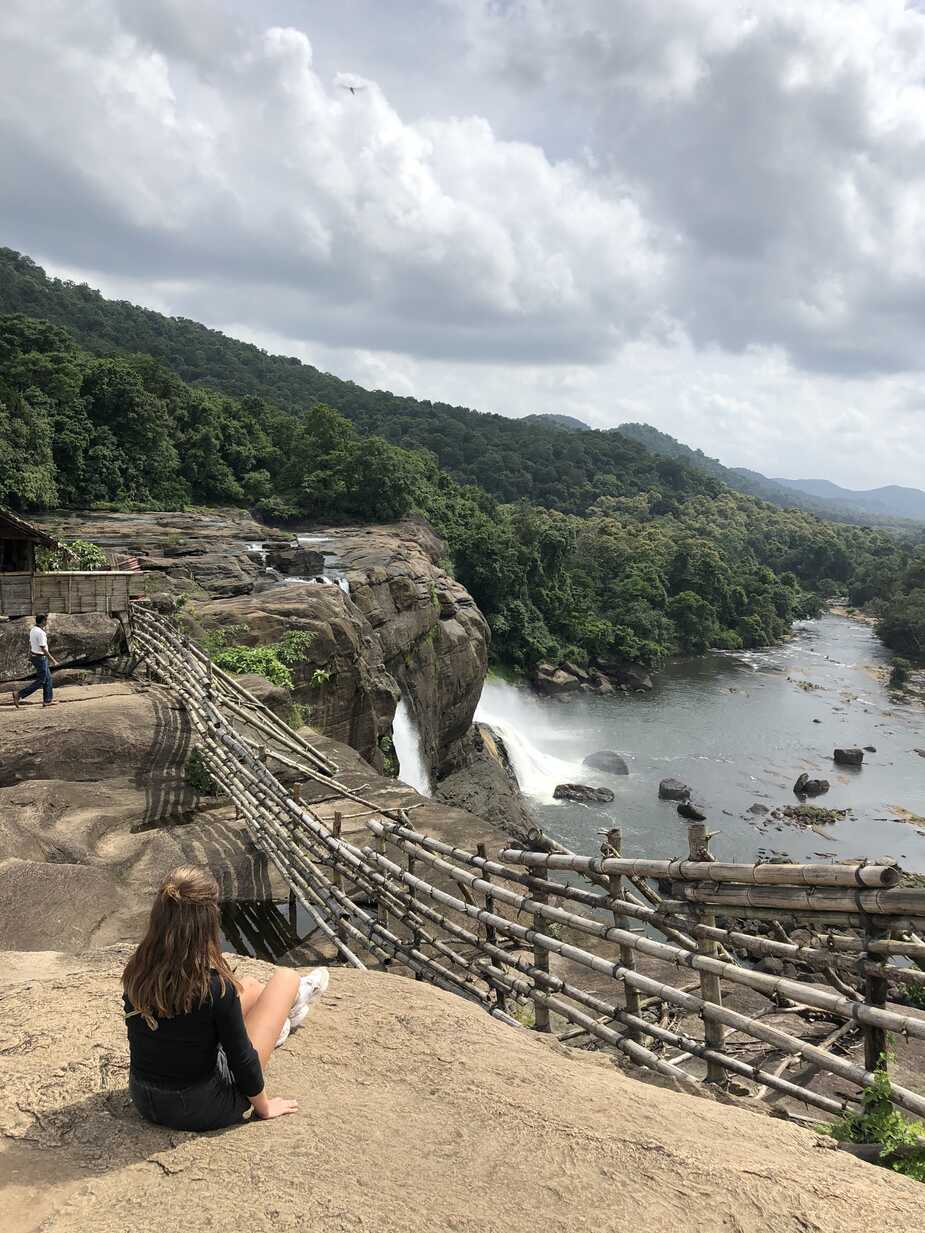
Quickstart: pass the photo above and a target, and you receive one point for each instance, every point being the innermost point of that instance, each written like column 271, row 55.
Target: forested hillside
column 575, row 544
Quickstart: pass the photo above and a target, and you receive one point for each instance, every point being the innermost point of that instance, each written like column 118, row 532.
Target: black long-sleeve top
column 181, row 1051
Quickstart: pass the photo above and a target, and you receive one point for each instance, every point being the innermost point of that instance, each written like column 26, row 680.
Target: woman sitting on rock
column 199, row 1038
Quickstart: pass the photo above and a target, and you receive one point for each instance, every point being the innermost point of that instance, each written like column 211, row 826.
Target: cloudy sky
column 703, row 214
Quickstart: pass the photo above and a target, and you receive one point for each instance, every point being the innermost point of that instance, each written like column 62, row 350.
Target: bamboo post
column 415, row 932
column 698, row 839
column 631, row 999
column 293, row 902
column 541, row 961
column 382, row 912
column 491, row 933
column 338, row 877
column 875, row 994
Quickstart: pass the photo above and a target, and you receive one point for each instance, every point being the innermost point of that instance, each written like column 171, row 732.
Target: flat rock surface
column 417, row 1112
column 95, row 808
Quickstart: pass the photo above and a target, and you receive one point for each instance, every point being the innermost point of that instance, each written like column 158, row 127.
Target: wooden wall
column 97, row 591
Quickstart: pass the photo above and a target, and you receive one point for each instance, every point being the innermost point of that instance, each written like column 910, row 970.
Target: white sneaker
column 311, row 987
column 283, row 1034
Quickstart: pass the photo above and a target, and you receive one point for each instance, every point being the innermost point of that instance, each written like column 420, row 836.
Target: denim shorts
column 209, row 1105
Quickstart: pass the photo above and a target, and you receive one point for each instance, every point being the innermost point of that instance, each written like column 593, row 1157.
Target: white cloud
column 321, row 211
column 729, row 241
column 783, row 141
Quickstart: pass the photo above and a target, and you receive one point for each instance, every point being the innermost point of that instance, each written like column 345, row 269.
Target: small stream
column 738, row 727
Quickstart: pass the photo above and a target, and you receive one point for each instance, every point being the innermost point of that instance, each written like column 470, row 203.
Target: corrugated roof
column 14, row 527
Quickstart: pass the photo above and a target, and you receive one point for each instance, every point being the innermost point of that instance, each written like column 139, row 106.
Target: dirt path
column 417, row 1112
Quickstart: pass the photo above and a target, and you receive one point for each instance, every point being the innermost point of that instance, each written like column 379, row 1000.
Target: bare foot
column 44, row 704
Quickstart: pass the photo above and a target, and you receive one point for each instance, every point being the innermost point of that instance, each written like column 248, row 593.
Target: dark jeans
column 43, row 673
column 210, row 1105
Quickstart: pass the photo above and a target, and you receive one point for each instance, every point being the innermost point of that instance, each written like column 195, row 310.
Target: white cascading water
column 512, row 713
column 412, row 769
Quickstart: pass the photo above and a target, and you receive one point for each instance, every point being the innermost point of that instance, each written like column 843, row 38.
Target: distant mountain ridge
column 879, row 506
column 891, row 499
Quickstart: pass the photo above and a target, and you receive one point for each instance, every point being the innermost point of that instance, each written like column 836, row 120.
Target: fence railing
column 586, row 960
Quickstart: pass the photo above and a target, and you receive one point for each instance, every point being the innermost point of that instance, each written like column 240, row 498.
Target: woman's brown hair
column 171, row 971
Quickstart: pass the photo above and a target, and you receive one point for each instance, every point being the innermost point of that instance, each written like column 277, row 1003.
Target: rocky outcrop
column 385, row 1072
column 405, row 627
column 691, row 812
column 567, row 679
column 95, row 807
column 342, row 683
column 433, row 638
column 805, row 786
column 90, row 637
column 607, row 761
column 673, row 790
column 486, row 784
column 583, row 793
column 848, row 757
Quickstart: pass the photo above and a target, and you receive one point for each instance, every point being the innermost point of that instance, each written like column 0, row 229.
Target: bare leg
column 271, row 1008
column 251, row 990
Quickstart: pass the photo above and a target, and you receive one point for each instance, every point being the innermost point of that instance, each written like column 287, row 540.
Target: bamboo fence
column 587, row 962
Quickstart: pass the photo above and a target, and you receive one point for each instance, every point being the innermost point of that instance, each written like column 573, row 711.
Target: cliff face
column 406, row 627
column 434, row 639
column 353, row 697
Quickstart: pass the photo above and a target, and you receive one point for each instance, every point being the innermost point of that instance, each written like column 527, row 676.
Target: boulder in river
column 625, row 674
column 673, row 790
column 805, row 786
column 692, row 812
column 582, row 793
column 849, row 757
column 555, row 682
column 870, row 748
column 757, row 808
column 607, row 761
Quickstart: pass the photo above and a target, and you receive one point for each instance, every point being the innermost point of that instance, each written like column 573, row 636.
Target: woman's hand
column 277, row 1107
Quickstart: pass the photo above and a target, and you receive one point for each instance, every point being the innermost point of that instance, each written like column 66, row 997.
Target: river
column 738, row 727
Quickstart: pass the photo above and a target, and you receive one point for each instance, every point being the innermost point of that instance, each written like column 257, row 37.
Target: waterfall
column 512, row 713
column 412, row 769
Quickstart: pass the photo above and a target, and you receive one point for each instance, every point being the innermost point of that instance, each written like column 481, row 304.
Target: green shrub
column 273, row 661
column 389, row 756
column 899, row 673
column 879, row 1122
column 261, row 660
column 292, row 648
column 76, row 554
column 197, row 774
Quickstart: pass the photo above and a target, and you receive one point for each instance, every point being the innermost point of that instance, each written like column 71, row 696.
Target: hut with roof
column 25, row 591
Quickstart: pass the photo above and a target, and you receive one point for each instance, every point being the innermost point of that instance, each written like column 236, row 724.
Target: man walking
column 41, row 661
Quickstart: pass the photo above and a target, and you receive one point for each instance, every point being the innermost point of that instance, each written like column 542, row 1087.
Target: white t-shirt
column 38, row 640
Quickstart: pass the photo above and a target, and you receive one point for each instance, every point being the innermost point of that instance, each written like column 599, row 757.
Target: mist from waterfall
column 525, row 725
column 412, row 768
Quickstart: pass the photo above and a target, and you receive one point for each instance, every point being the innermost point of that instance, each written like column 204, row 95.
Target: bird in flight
column 352, row 89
